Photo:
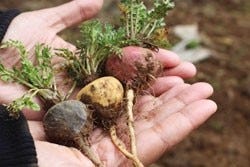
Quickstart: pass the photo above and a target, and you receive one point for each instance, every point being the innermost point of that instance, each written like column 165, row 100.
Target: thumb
column 72, row 13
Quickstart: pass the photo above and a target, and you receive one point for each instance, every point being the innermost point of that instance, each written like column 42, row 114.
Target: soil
column 223, row 141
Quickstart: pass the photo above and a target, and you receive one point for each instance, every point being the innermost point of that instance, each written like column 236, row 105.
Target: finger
column 193, row 93
column 184, row 70
column 169, row 59
column 73, row 13
column 37, row 130
column 161, row 109
column 173, row 92
column 172, row 130
column 163, row 84
column 160, row 86
column 140, row 101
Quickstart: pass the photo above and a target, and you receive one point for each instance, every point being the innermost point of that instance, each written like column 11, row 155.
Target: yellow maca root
column 105, row 94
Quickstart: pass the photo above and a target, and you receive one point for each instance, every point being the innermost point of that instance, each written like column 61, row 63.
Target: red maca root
column 137, row 66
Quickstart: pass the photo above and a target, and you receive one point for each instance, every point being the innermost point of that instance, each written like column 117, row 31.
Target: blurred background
column 223, row 29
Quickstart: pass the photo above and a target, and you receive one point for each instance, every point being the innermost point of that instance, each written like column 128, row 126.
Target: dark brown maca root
column 69, row 123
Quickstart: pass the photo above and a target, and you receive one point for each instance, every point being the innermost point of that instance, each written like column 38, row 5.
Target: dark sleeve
column 5, row 19
column 17, row 147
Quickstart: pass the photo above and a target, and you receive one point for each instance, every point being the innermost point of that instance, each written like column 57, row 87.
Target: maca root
column 136, row 68
column 132, row 154
column 69, row 123
column 146, row 73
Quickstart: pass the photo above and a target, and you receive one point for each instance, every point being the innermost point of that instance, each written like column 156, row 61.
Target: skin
column 164, row 118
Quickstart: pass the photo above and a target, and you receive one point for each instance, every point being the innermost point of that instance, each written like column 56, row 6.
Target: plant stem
column 34, row 93
column 151, row 30
column 132, row 20
column 20, row 80
column 70, row 91
column 88, row 64
column 127, row 27
column 145, row 28
column 136, row 21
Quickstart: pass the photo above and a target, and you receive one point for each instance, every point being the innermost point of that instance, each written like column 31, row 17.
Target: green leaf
column 26, row 101
column 6, row 78
column 98, row 42
column 38, row 75
column 141, row 22
column 35, row 107
column 15, row 44
column 29, row 103
column 44, row 66
column 5, row 75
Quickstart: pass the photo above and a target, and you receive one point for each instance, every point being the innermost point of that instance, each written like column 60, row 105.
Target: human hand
column 162, row 122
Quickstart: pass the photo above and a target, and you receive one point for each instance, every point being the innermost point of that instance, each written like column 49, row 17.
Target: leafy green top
column 37, row 76
column 143, row 24
column 98, row 41
column 32, row 76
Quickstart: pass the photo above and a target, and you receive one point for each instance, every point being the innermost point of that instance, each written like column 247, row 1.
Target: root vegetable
column 119, row 144
column 105, row 95
column 137, row 67
column 70, row 123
